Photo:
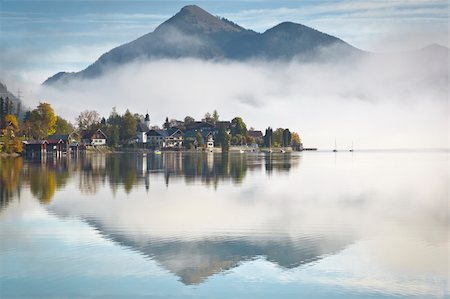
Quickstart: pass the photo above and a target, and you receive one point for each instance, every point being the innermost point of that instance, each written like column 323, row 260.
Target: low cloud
column 384, row 101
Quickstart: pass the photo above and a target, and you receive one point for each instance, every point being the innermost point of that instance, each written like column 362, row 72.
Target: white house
column 172, row 138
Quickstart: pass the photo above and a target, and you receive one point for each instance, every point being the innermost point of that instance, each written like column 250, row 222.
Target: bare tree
column 87, row 119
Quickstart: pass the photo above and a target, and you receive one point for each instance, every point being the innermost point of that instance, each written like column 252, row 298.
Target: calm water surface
column 178, row 225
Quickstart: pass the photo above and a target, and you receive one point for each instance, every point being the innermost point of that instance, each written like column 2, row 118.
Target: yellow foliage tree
column 296, row 139
column 11, row 142
column 42, row 121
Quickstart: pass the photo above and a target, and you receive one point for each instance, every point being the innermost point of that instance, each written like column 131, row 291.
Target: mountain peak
column 194, row 19
column 193, row 9
column 195, row 33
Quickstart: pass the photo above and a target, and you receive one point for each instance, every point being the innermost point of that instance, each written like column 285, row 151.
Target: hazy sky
column 386, row 101
column 40, row 38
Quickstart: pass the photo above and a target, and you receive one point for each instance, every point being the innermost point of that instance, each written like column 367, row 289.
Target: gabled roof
column 165, row 133
column 64, row 137
column 174, row 131
column 142, row 127
column 55, row 141
column 31, row 142
column 225, row 124
column 199, row 125
column 205, row 134
column 153, row 132
column 100, row 132
column 88, row 135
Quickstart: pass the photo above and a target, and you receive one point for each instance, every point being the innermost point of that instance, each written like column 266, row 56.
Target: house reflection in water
column 44, row 175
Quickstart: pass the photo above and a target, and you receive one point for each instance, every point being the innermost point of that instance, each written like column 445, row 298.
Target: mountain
column 195, row 33
column 5, row 93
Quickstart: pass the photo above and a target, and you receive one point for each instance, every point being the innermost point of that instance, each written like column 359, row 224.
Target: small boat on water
column 282, row 151
column 351, row 150
column 335, row 146
column 157, row 152
column 241, row 151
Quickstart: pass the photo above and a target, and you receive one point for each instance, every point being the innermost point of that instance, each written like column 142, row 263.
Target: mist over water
column 378, row 101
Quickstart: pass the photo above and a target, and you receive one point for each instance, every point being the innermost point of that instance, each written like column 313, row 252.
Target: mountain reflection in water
column 378, row 224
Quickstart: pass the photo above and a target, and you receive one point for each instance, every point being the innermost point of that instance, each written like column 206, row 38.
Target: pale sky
column 42, row 37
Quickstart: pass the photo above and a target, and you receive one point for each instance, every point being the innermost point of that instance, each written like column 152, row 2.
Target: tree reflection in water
column 10, row 173
column 46, row 175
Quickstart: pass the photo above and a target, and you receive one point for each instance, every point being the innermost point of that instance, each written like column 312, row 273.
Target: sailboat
column 351, row 150
column 335, row 146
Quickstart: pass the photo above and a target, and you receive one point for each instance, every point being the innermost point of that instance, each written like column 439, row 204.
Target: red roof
column 54, row 141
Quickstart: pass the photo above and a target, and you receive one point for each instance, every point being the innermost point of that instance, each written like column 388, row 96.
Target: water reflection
column 10, row 173
column 44, row 176
column 363, row 224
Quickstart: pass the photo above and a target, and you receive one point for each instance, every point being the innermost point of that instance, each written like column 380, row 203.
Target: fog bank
column 382, row 101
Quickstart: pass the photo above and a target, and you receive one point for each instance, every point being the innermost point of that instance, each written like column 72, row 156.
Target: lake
column 204, row 225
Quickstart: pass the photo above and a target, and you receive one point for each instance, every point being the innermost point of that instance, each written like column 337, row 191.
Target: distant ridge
column 5, row 93
column 195, row 33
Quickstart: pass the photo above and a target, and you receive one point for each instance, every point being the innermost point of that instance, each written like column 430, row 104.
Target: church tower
column 147, row 120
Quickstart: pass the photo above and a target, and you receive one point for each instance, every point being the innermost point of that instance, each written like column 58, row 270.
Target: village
column 41, row 132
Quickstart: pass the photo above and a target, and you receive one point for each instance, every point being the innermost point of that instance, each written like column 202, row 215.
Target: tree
column 13, row 120
column 287, row 137
column 42, row 121
column 295, row 140
column 199, row 139
column 268, row 137
column 166, row 124
column 188, row 120
column 113, row 124
column 128, row 128
column 87, row 120
column 18, row 109
column 278, row 137
column 215, row 116
column 2, row 108
column 208, row 117
column 223, row 138
column 11, row 142
column 236, row 139
column 113, row 135
column 26, row 116
column 238, row 127
column 250, row 140
column 63, row 126
column 6, row 107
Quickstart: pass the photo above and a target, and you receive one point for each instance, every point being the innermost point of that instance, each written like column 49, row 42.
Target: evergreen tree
column 166, row 124
column 2, row 108
column 18, row 109
column 215, row 116
column 268, row 137
column 287, row 137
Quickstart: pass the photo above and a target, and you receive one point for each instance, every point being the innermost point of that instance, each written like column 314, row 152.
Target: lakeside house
column 200, row 126
column 63, row 142
column 172, row 138
column 57, row 144
column 35, row 146
column 207, row 138
column 97, row 138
